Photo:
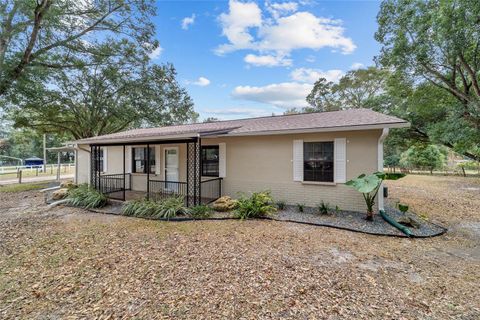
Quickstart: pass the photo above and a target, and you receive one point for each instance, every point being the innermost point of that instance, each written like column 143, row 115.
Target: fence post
column 36, row 173
column 20, row 176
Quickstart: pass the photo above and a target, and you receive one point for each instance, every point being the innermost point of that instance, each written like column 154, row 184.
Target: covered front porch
column 154, row 170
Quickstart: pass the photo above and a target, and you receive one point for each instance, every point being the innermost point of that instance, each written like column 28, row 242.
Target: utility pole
column 44, row 152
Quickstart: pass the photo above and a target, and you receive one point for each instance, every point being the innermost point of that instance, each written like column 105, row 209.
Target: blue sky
column 242, row 58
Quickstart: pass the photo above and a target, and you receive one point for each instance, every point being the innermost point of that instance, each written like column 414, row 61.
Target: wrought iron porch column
column 193, row 173
column 148, row 171
column 124, row 173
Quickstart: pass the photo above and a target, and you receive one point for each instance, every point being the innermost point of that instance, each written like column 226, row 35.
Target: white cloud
column 201, row 82
column 303, row 30
column 357, row 65
column 312, row 75
column 283, row 95
column 155, row 53
column 187, row 21
column 267, row 60
column 284, row 31
column 310, row 59
column 279, row 9
column 236, row 24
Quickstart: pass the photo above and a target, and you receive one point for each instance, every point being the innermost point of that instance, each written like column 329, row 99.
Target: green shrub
column 394, row 176
column 281, row 204
column 86, row 197
column 324, row 208
column 300, row 207
column 164, row 209
column 259, row 204
column 201, row 211
column 172, row 207
column 403, row 207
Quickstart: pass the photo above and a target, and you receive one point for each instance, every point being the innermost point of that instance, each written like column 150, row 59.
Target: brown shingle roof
column 343, row 120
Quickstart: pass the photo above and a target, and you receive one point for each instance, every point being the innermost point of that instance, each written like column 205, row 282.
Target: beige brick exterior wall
column 266, row 162
column 257, row 163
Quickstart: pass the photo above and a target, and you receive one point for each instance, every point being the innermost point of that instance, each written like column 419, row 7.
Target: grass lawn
column 70, row 263
column 22, row 187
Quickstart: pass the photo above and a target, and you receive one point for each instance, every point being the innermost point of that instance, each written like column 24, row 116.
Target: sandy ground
column 69, row 263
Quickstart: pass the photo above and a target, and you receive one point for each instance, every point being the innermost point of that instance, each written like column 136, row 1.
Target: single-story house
column 300, row 158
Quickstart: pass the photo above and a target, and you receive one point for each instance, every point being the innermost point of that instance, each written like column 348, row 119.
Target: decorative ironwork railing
column 112, row 183
column 161, row 189
column 210, row 190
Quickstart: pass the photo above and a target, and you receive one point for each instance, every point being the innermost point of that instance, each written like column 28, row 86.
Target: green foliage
column 70, row 34
column 27, row 143
column 321, row 98
column 300, row 207
column 201, row 211
column 324, row 208
column 403, row 207
column 357, row 89
column 394, row 176
column 86, row 197
column 165, row 209
column 433, row 47
column 22, row 187
column 368, row 186
column 124, row 98
column 424, row 157
column 259, row 204
column 469, row 165
column 281, row 204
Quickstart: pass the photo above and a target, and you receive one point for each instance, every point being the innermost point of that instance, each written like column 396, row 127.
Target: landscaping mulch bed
column 355, row 221
column 346, row 220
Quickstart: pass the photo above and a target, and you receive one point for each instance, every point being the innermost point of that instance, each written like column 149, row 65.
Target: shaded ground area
column 71, row 263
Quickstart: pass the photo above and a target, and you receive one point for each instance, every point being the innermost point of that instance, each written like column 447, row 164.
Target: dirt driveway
column 69, row 263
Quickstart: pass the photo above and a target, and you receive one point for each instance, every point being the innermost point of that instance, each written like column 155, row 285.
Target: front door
column 171, row 167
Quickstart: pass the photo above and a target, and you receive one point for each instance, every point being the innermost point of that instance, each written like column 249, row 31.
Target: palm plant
column 368, row 186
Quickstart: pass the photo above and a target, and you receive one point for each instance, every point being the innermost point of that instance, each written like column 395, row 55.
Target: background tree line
column 428, row 72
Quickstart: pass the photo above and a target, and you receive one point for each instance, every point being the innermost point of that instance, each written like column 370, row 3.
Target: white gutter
column 383, row 136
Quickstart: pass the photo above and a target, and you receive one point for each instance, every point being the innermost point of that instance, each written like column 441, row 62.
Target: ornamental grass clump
column 324, row 208
column 201, row 211
column 281, row 205
column 259, row 204
column 164, row 209
column 86, row 197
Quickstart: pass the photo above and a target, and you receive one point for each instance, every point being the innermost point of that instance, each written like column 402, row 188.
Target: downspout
column 382, row 138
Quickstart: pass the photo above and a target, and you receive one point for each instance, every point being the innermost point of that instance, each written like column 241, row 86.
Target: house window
column 210, row 161
column 99, row 164
column 318, row 161
column 139, row 163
